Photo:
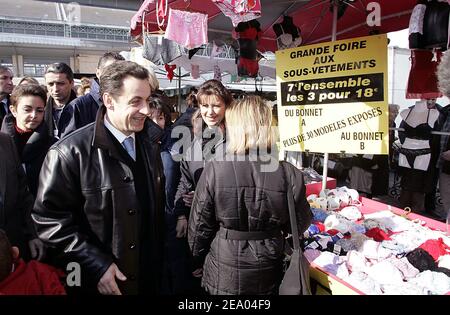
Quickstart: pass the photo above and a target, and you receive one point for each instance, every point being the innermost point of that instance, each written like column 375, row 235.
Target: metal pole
column 333, row 38
column 335, row 18
column 179, row 91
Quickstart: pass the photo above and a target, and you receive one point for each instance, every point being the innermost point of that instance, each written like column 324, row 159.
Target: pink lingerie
column 240, row 10
column 188, row 29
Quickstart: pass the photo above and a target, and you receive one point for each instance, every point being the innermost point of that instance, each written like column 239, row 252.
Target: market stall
column 332, row 98
column 280, row 25
column 314, row 18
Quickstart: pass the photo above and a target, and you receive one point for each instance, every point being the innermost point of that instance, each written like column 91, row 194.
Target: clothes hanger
column 160, row 31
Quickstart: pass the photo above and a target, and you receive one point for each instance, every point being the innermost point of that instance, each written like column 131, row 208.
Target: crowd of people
column 143, row 204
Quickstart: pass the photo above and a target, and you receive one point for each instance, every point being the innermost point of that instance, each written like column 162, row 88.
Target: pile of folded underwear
column 377, row 253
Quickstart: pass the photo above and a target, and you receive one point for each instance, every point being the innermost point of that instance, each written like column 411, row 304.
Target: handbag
column 296, row 278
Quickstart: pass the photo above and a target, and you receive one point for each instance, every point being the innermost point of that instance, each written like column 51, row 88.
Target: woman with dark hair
column 28, row 80
column 26, row 125
column 191, row 99
column 208, row 127
column 160, row 111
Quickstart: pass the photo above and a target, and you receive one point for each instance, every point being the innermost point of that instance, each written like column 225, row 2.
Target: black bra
column 421, row 131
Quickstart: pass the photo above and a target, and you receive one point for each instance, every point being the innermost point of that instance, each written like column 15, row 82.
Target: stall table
column 326, row 283
column 315, row 188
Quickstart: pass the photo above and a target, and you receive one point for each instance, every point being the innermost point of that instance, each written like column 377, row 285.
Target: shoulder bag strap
column 292, row 216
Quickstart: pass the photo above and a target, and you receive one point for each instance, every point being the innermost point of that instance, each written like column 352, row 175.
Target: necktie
column 128, row 144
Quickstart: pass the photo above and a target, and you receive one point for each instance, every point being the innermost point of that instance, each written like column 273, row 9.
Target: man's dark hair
column 6, row 259
column 160, row 102
column 27, row 90
column 110, row 55
column 113, row 76
column 5, row 68
column 191, row 98
column 60, row 67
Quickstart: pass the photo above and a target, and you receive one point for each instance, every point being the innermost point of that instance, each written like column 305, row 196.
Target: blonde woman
column 240, row 209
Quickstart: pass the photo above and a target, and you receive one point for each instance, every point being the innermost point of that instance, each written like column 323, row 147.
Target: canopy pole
column 179, row 91
column 335, row 18
column 333, row 38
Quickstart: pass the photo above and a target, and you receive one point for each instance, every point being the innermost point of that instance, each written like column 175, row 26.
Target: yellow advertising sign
column 333, row 97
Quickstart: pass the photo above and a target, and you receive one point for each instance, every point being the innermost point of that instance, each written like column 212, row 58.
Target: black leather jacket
column 15, row 198
column 87, row 208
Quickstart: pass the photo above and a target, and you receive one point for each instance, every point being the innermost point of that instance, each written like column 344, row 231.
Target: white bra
column 285, row 41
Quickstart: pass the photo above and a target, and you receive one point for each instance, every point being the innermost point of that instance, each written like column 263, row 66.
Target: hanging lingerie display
column 422, row 80
column 161, row 12
column 240, row 10
column 170, row 71
column 216, row 50
column 429, row 25
column 160, row 50
column 188, row 29
column 195, row 71
column 217, row 73
column 288, row 35
column 249, row 33
column 285, row 41
column 415, row 151
column 428, row 38
column 418, row 154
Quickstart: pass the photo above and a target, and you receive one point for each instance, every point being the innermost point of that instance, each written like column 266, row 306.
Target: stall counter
column 324, row 283
column 315, row 188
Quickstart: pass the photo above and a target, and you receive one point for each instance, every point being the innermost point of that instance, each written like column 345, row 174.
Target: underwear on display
column 160, row 50
column 419, row 135
column 240, row 10
column 188, row 29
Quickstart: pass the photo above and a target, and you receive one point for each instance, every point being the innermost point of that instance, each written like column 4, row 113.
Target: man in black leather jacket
column 101, row 197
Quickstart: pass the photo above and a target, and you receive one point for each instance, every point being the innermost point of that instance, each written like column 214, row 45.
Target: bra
column 421, row 131
column 285, row 40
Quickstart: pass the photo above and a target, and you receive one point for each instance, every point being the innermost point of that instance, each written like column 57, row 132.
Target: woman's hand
column 187, row 198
